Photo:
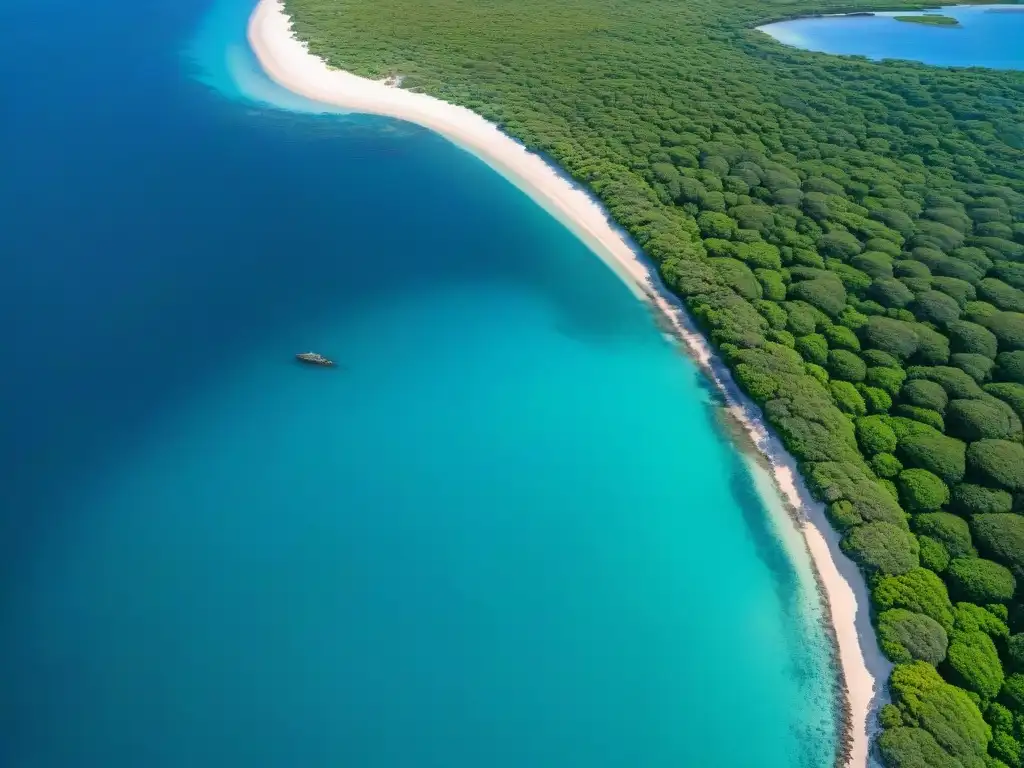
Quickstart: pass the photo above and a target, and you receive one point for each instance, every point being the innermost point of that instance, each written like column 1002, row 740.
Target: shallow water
column 988, row 36
column 507, row 532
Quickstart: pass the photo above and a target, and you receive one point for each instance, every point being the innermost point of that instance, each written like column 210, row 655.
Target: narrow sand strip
column 288, row 63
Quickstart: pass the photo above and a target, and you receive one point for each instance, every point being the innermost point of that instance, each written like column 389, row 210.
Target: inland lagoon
column 507, row 530
column 980, row 35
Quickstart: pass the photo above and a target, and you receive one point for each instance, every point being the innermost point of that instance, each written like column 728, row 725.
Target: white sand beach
column 287, row 62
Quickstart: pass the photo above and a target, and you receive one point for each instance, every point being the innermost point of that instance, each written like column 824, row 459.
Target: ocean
column 508, row 530
column 988, row 36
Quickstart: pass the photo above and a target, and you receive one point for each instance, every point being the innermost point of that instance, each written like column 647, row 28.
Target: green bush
column 826, row 294
column 908, row 268
column 1010, row 366
column 943, row 710
column 970, row 499
column 932, row 348
column 903, row 747
column 896, row 337
column 874, row 435
column 956, row 383
column 1008, row 328
column 772, row 286
column 973, row 420
column 890, row 292
column 876, row 358
column 978, row 367
column 959, row 290
column 803, row 318
column 841, row 337
column 1012, row 694
column 1006, row 748
column 905, row 636
column 887, row 379
column 845, row 365
column 877, row 400
column 1004, row 296
column 934, row 555
column 971, row 338
column 951, row 530
column 847, row 398
column 935, row 307
column 881, row 547
column 969, row 617
column 1015, row 651
column 1010, row 393
column 980, row 581
column 974, row 662
column 873, row 263
column 932, row 418
column 924, row 394
column 813, row 348
column 885, row 465
column 941, row 455
column 921, row 491
column 918, row 590
column 998, row 463
column 1001, row 538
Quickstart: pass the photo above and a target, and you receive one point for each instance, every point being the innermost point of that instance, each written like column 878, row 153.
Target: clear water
column 507, row 533
column 988, row 36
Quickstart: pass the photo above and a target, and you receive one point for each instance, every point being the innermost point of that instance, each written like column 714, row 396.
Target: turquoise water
column 988, row 36
column 508, row 532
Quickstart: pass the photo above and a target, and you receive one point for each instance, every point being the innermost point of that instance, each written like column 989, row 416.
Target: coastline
column 842, row 588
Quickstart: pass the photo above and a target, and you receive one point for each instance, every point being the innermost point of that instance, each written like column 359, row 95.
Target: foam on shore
column 287, row 61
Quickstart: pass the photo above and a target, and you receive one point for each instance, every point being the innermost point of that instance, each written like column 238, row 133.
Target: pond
column 984, row 36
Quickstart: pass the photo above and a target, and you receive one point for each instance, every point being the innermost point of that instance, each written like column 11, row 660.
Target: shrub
column 845, row 365
column 978, row 367
column 934, row 555
column 908, row 268
column 974, row 420
column 936, row 307
column 772, row 286
column 839, row 244
column 1001, row 538
column 803, row 318
column 1006, row 748
column 924, row 415
column 998, row 462
column 1004, row 296
column 737, row 276
column 813, row 348
column 1008, row 328
column 890, row 292
column 887, row 379
column 932, row 348
column 980, row 581
column 970, row 499
column 953, row 380
column 968, row 617
column 875, row 435
column 1010, row 366
column 943, row 710
column 878, row 358
column 1012, row 694
column 896, row 337
column 903, row 747
column 906, row 636
column 877, row 400
column 841, row 337
column 827, row 294
column 882, row 547
column 924, row 394
column 971, row 338
column 817, row 372
column 921, row 491
column 974, row 663
column 941, row 455
column 885, row 465
column 918, row 590
column 1010, row 393
column 951, row 530
column 848, row 398
column 959, row 290
column 1015, row 650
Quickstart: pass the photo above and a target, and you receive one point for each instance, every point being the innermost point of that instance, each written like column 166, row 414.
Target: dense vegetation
column 849, row 234
column 938, row 21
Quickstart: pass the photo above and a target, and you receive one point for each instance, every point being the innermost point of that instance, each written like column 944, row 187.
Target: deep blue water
column 507, row 533
column 988, row 36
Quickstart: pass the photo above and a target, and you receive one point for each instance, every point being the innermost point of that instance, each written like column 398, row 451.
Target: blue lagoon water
column 507, row 533
column 988, row 36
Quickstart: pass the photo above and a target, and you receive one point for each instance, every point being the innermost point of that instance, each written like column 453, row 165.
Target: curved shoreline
column 842, row 588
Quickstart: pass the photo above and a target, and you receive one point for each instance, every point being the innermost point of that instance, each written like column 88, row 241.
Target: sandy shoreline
column 288, row 63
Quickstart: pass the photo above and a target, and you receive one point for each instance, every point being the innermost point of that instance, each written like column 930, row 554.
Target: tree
column 951, row 530
column 1010, row 366
column 813, row 348
column 974, row 663
column 974, row 420
column 903, row 747
column 921, row 491
column 826, row 294
column 1010, row 393
column 893, row 336
column 919, row 590
column 875, row 435
column 882, row 547
column 890, row 292
column 847, row 398
column 980, row 581
column 886, row 465
column 845, row 365
column 924, row 394
column 934, row 555
column 998, row 463
column 1001, row 538
column 1008, row 328
column 906, row 636
column 978, row 367
column 1004, row 296
column 971, row 338
column 970, row 499
column 941, row 455
column 936, row 307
